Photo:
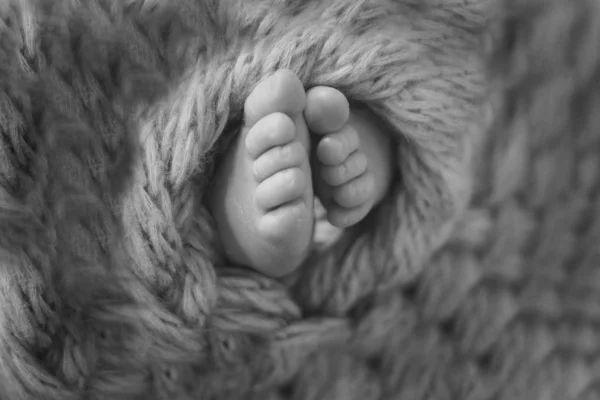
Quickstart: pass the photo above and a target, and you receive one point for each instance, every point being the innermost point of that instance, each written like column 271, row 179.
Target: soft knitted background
column 477, row 278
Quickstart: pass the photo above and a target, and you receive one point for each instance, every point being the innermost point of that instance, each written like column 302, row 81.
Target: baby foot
column 262, row 198
column 353, row 161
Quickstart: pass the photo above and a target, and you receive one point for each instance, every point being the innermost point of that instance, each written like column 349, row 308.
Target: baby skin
column 262, row 196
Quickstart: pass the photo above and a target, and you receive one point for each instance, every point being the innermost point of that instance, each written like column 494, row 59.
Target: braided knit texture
column 477, row 277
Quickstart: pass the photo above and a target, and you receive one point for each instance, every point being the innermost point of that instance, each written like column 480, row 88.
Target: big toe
column 327, row 110
column 281, row 92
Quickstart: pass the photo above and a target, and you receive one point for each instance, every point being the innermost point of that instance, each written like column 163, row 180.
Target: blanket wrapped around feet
column 476, row 278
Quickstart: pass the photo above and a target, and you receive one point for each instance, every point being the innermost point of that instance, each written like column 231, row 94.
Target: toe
column 345, row 217
column 334, row 148
column 281, row 188
column 327, row 110
column 281, row 92
column 273, row 130
column 356, row 192
column 279, row 158
column 354, row 166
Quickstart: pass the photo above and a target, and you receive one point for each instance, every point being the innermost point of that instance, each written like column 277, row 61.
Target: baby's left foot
column 354, row 157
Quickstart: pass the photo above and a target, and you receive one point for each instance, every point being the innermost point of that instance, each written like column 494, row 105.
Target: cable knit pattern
column 476, row 278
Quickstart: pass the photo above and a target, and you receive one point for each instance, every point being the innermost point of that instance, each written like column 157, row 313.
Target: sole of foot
column 343, row 181
column 262, row 198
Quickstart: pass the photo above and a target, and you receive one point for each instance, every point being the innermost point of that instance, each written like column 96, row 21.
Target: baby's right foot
column 353, row 156
column 262, row 199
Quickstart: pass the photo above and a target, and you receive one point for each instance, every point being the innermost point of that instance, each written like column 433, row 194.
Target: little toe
column 281, row 188
column 327, row 109
column 282, row 92
column 278, row 158
column 356, row 192
column 354, row 166
column 344, row 217
column 273, row 130
column 334, row 148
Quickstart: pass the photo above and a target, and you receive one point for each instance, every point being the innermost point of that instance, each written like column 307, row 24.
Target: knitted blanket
column 476, row 278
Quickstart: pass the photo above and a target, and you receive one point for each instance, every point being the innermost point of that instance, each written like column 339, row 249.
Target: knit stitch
column 476, row 278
